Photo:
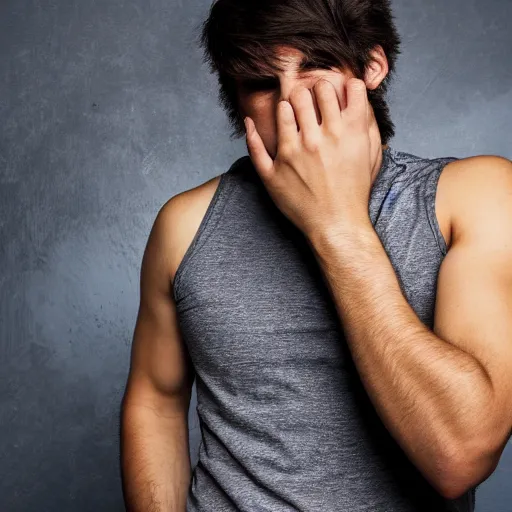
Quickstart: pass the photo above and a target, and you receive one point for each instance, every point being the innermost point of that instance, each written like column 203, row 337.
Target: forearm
column 155, row 460
column 430, row 394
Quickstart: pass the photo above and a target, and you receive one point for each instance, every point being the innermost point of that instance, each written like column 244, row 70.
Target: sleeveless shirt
column 285, row 422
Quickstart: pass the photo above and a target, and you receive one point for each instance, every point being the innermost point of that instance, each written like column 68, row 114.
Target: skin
column 465, row 429
column 261, row 105
column 445, row 395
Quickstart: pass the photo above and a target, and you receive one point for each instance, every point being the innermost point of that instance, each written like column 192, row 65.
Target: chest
column 262, row 299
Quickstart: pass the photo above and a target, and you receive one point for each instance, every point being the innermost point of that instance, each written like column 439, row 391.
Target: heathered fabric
column 285, row 421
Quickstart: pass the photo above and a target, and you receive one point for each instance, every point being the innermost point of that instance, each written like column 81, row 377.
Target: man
column 344, row 307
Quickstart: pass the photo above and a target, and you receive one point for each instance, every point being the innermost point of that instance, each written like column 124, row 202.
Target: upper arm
column 161, row 373
column 474, row 291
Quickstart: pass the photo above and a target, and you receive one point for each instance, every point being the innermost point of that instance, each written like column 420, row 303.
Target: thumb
column 261, row 160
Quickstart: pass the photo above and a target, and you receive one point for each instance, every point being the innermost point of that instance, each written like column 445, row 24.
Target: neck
column 378, row 164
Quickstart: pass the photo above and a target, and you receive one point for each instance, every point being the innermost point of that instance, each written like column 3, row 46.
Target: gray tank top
column 286, row 424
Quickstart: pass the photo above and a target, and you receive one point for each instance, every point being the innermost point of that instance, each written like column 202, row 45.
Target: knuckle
column 286, row 151
column 312, row 143
column 356, row 82
column 333, row 130
column 299, row 94
column 358, row 86
column 355, row 124
column 324, row 86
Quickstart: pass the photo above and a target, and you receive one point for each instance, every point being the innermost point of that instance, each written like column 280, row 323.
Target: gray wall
column 106, row 111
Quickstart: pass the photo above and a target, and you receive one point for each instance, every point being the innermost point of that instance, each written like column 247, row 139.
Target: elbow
column 470, row 465
column 453, row 486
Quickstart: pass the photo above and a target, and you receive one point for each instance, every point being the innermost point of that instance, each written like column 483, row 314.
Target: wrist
column 345, row 234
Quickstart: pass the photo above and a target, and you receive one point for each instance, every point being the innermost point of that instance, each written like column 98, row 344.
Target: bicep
column 474, row 291
column 474, row 307
column 160, row 368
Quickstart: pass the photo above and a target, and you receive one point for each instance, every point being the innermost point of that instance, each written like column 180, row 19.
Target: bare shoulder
column 469, row 192
column 179, row 219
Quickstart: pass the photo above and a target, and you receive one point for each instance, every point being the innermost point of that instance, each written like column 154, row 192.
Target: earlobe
column 370, row 81
column 377, row 69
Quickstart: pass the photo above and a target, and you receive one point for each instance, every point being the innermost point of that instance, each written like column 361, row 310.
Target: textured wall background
column 106, row 111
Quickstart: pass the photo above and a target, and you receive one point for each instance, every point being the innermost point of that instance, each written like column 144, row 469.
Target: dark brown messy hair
column 238, row 37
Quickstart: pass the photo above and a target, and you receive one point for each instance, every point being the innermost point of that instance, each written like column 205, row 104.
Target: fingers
column 328, row 103
column 261, row 160
column 286, row 125
column 356, row 111
column 303, row 105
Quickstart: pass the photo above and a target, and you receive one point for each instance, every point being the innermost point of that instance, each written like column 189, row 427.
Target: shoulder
column 179, row 219
column 474, row 193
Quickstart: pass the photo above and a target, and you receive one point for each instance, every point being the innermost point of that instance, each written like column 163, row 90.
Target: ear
column 377, row 69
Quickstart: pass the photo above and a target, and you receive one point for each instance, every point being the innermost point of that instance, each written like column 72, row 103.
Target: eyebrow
column 305, row 64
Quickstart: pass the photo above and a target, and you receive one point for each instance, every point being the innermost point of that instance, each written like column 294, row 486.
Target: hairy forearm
column 431, row 395
column 155, row 460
